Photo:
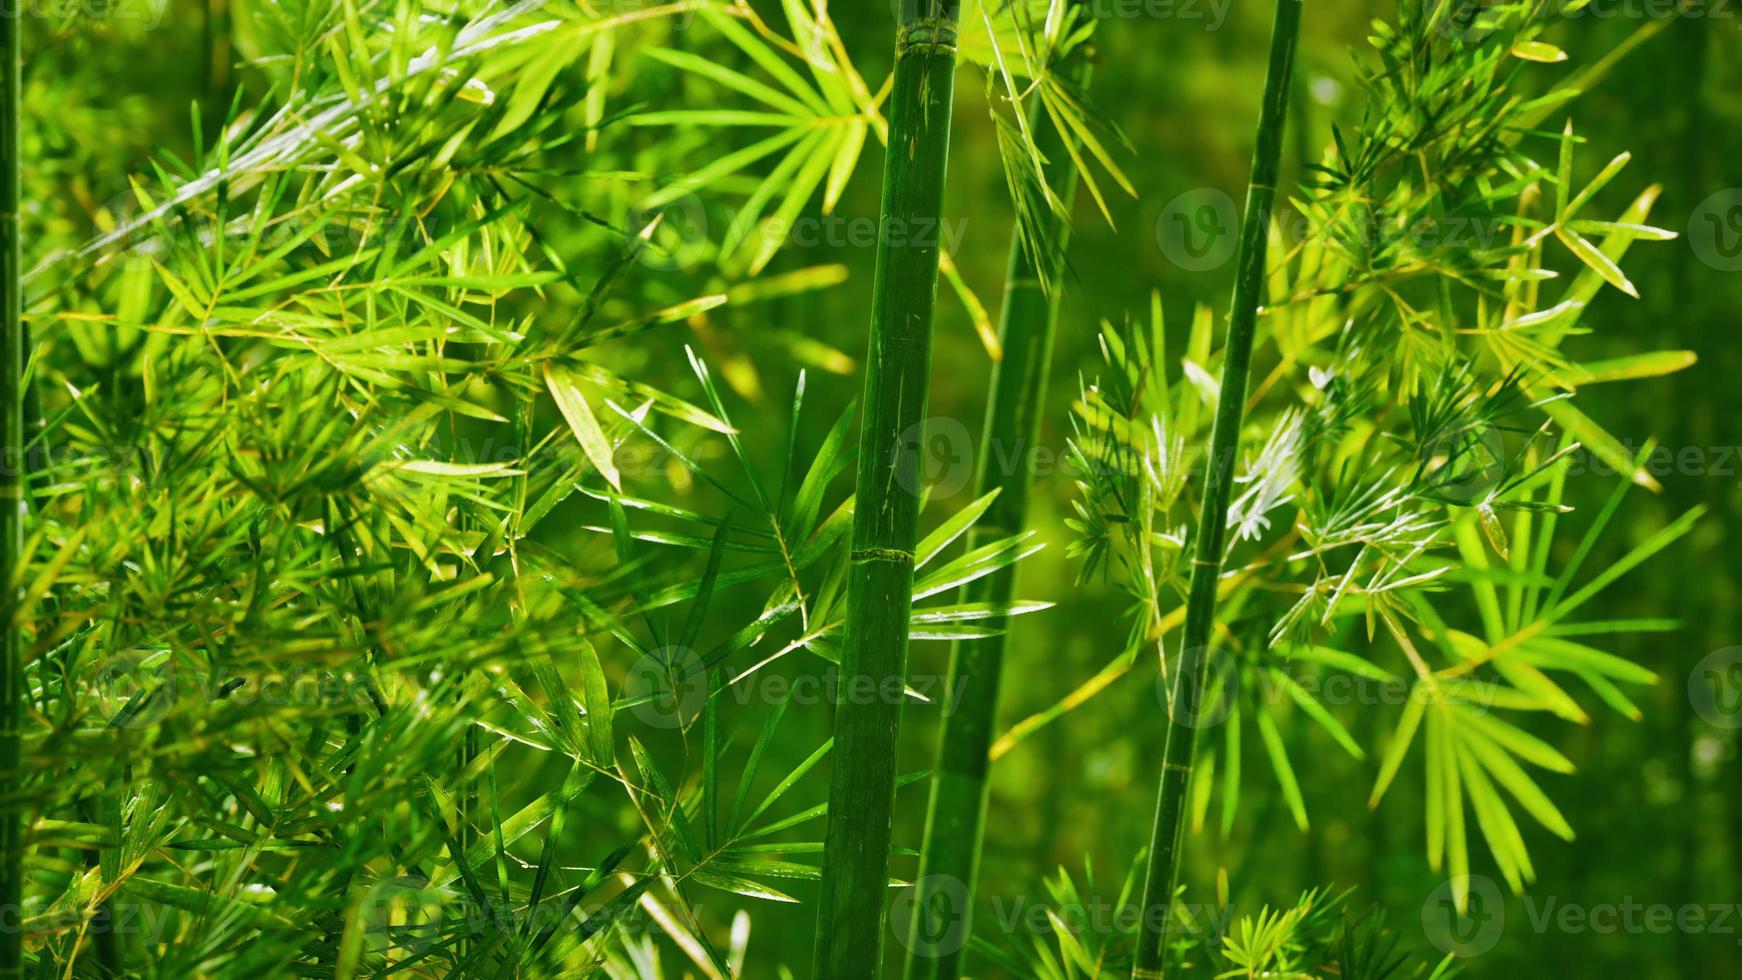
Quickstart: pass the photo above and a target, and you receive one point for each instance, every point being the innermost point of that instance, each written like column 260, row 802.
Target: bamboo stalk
column 12, row 465
column 1189, row 679
column 955, row 818
column 855, row 873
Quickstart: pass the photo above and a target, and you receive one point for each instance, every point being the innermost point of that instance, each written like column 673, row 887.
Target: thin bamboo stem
column 1192, row 672
column 12, row 480
column 852, row 909
column 955, row 818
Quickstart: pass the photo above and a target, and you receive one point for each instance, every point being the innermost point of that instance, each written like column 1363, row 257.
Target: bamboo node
column 931, row 35
column 895, row 556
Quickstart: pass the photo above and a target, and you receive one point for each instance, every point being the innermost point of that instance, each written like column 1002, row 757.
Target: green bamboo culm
column 852, row 910
column 1192, row 670
column 12, row 460
column 956, row 815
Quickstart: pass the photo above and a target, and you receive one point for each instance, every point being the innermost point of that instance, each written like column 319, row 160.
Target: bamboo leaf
column 1279, row 763
column 1594, row 257
column 1401, row 739
column 934, row 543
column 572, row 403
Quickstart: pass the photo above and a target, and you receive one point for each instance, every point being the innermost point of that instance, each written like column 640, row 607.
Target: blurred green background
column 1657, row 804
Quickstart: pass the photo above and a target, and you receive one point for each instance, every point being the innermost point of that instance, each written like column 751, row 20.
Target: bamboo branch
column 1162, row 874
column 852, row 909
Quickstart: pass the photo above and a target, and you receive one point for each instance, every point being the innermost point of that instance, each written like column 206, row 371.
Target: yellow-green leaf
column 1539, row 51
column 582, row 422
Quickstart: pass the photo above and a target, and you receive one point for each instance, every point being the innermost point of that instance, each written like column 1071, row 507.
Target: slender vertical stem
column 955, row 819
column 216, row 29
column 852, row 910
column 1190, row 676
column 12, row 461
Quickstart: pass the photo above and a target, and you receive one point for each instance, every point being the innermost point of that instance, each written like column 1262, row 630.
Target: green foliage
column 417, row 576
column 1411, row 408
column 1318, row 935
